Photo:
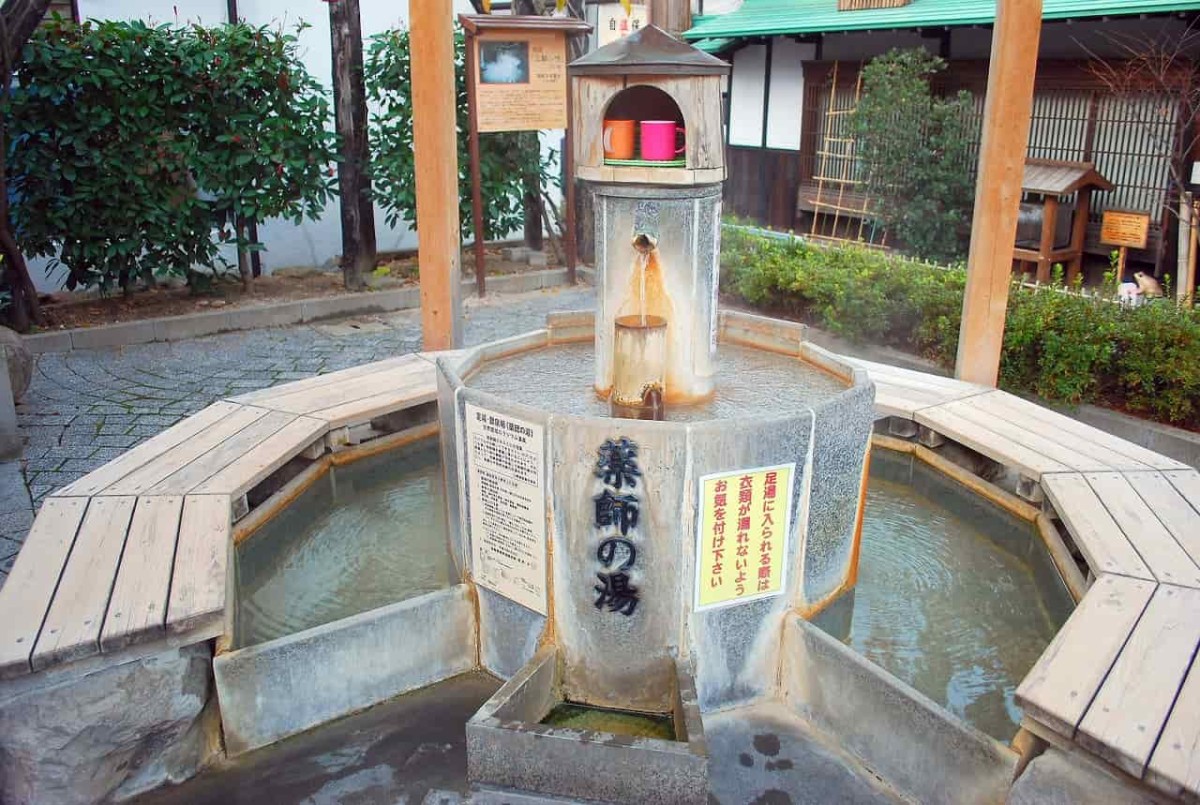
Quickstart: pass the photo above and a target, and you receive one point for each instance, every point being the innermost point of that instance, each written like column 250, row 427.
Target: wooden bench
column 138, row 550
column 1036, row 440
column 903, row 392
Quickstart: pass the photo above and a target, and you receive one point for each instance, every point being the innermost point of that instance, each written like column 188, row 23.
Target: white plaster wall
column 311, row 243
column 746, row 96
column 786, row 105
column 711, row 8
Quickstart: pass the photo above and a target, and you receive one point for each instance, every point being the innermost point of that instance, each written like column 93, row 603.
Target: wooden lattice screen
column 1130, row 140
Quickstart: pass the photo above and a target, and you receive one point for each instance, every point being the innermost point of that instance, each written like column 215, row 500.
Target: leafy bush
column 1060, row 346
column 916, row 153
column 505, row 158
column 854, row 292
column 131, row 143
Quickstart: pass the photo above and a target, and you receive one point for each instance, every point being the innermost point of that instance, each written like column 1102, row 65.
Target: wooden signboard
column 520, row 80
column 1127, row 229
column 517, row 81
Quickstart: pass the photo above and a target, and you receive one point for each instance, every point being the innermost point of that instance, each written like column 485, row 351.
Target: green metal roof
column 713, row 45
column 782, row 17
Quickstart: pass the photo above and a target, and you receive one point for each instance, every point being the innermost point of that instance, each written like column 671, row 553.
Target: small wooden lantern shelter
column 649, row 75
column 1055, row 181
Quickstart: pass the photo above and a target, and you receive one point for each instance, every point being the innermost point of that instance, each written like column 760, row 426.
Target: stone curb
column 279, row 314
column 10, row 437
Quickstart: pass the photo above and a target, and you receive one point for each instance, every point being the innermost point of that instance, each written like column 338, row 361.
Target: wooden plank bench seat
column 902, row 392
column 1036, row 440
column 138, row 549
column 1120, row 679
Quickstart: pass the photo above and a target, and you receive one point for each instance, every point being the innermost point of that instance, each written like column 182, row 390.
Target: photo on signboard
column 504, row 62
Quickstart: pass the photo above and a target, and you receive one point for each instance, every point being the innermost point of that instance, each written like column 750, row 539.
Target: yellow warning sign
column 742, row 544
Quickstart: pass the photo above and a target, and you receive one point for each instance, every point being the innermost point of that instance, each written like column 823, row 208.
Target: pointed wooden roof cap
column 648, row 51
column 1054, row 177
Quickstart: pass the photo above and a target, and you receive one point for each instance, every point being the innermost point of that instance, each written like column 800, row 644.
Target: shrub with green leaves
column 130, row 143
column 505, row 158
column 915, row 150
column 1060, row 346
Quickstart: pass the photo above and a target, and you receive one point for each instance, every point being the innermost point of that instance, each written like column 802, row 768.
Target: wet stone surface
column 85, row 408
column 750, row 384
column 396, row 752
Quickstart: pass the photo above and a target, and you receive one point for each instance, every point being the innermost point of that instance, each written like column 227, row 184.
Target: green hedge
column 1059, row 346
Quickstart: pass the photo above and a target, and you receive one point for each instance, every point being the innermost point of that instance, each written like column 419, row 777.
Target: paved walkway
column 87, row 407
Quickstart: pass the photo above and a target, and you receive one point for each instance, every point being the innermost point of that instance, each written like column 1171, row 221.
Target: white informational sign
column 613, row 23
column 506, row 472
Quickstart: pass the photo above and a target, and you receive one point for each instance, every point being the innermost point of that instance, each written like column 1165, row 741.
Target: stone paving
column 85, row 408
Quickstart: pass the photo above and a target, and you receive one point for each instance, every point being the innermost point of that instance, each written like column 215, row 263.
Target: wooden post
column 476, row 170
column 1046, row 244
column 569, row 183
column 1006, row 122
column 350, row 120
column 1083, row 206
column 435, row 151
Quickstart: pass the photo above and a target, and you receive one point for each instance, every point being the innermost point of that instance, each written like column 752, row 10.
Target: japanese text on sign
column 507, row 495
column 617, row 512
column 742, row 543
column 1129, row 229
column 521, row 80
column 613, row 23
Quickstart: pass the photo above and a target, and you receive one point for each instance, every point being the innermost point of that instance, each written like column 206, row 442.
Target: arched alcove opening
column 642, row 104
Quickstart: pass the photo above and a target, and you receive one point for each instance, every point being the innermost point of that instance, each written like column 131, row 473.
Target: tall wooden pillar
column 1006, row 121
column 435, row 152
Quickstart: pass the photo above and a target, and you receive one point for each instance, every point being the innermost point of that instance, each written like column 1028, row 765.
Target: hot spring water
column 953, row 597
column 364, row 535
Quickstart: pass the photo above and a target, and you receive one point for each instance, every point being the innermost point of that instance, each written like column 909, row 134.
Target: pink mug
column 658, row 140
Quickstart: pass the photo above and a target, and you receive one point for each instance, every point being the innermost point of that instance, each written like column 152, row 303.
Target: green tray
column 646, row 163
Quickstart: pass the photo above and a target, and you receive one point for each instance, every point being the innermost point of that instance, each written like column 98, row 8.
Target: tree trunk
column 25, row 310
column 244, row 270
column 18, row 20
column 350, row 113
column 21, row 18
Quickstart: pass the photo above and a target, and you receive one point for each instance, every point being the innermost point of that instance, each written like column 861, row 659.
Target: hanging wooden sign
column 517, row 81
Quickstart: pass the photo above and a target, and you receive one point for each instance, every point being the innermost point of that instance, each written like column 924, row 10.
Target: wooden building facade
column 792, row 161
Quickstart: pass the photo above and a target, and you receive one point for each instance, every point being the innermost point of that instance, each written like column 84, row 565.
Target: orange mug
column 618, row 139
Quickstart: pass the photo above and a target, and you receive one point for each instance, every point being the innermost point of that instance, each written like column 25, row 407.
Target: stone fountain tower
column 638, row 514
column 657, row 221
